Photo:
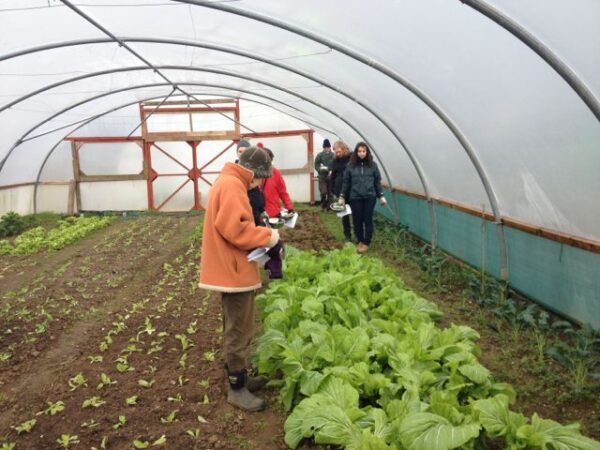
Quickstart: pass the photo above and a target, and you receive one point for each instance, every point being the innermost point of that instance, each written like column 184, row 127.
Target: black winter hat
column 258, row 161
column 326, row 143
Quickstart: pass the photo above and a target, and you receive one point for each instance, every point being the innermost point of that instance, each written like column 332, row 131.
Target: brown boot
column 239, row 395
column 361, row 248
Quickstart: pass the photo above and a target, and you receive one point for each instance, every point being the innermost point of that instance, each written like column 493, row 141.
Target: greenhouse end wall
column 560, row 277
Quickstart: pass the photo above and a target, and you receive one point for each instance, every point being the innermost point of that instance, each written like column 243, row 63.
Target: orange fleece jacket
column 230, row 233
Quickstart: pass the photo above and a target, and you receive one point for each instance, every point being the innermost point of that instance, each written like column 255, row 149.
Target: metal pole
column 391, row 73
column 371, row 110
column 128, row 48
column 542, row 50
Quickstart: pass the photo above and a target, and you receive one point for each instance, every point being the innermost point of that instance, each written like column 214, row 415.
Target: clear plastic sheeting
column 525, row 132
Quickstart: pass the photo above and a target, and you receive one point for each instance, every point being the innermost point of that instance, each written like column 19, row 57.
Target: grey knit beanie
column 258, row 161
column 243, row 143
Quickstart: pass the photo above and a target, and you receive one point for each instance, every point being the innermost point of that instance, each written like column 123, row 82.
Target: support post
column 310, row 140
column 76, row 172
column 195, row 172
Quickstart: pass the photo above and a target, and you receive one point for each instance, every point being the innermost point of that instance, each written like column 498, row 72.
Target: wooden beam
column 208, row 101
column 125, row 177
column 76, row 172
column 267, row 134
column 194, row 109
column 295, row 171
column 192, row 136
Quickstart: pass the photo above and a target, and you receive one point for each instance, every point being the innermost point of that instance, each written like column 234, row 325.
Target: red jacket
column 274, row 190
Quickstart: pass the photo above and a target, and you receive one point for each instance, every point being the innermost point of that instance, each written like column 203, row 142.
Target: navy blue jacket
column 361, row 181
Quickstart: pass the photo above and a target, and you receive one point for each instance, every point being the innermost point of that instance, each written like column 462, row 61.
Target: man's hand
column 383, row 201
column 341, row 201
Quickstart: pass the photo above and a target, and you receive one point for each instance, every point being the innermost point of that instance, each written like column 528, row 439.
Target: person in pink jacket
column 275, row 192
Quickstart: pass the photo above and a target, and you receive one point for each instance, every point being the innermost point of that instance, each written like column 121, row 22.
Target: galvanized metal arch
column 274, row 86
column 97, row 116
column 542, row 50
column 394, row 75
column 224, row 49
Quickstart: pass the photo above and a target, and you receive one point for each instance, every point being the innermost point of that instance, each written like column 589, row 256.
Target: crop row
column 147, row 358
column 68, row 231
column 75, row 291
column 361, row 364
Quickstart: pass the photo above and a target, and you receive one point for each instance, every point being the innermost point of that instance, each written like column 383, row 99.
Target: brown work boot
column 256, row 383
column 362, row 248
column 239, row 395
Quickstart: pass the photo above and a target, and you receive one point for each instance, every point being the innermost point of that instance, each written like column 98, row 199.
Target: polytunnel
column 483, row 115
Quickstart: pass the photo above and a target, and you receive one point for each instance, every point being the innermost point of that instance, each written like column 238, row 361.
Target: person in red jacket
column 275, row 192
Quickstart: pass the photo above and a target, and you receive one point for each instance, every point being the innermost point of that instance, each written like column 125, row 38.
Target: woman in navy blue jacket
column 361, row 189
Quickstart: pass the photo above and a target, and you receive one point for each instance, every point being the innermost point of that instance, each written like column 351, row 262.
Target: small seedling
column 91, row 424
column 130, row 401
column 178, row 398
column 25, row 427
column 95, row 359
column 77, row 381
column 103, row 443
column 185, row 342
column 54, row 408
column 120, row 423
column 93, row 402
column 65, row 440
column 195, row 434
column 192, row 327
column 183, row 361
column 145, row 384
column 172, row 417
column 209, row 356
column 105, row 380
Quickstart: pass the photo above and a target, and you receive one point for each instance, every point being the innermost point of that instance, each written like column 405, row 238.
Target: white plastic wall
column 534, row 138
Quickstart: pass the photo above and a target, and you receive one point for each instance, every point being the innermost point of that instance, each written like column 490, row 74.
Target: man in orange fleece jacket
column 229, row 235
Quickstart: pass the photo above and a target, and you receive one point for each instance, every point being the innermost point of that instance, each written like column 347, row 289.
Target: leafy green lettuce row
column 359, row 360
column 68, row 231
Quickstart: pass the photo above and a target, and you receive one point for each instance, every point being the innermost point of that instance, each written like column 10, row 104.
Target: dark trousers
column 347, row 228
column 275, row 264
column 362, row 216
column 325, row 190
column 238, row 328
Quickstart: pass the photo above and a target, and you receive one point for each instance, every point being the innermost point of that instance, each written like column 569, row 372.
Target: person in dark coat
column 255, row 195
column 361, row 189
column 340, row 161
column 323, row 167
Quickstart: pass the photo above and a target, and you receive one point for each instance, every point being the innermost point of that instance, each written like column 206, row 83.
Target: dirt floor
column 115, row 328
column 118, row 309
